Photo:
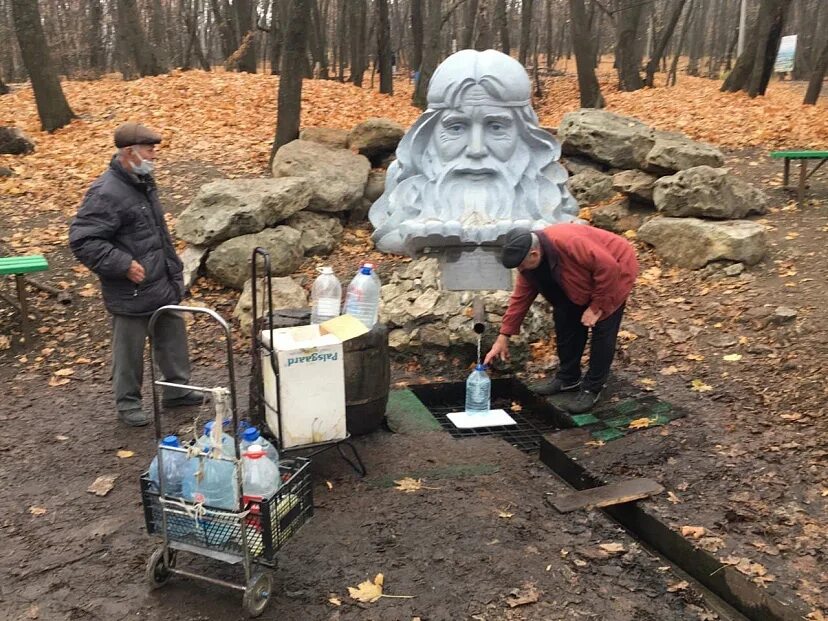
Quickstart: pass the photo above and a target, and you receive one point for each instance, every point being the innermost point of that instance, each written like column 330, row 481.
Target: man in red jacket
column 586, row 275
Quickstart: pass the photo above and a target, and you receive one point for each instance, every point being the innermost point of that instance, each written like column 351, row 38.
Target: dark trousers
column 572, row 335
column 129, row 339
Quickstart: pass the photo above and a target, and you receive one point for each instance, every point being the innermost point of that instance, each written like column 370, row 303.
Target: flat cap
column 129, row 134
column 516, row 246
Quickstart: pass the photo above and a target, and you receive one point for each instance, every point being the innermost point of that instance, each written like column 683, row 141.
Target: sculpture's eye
column 455, row 128
column 496, row 126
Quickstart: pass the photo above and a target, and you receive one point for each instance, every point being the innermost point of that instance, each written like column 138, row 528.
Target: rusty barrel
column 367, row 380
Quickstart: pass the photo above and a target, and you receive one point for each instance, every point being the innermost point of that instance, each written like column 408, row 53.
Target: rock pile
column 675, row 193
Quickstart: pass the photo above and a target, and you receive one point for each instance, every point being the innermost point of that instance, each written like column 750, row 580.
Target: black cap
column 516, row 246
column 129, row 134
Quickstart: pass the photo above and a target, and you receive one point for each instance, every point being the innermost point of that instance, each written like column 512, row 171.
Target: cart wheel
column 257, row 594
column 158, row 572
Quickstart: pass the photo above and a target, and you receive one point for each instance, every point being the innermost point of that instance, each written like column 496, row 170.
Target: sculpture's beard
column 474, row 194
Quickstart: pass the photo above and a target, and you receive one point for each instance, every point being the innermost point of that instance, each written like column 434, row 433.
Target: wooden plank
column 607, row 495
column 569, row 439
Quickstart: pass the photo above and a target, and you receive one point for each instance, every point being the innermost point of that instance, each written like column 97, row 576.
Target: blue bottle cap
column 243, row 424
column 170, row 440
column 208, row 427
column 480, row 367
column 365, row 270
column 251, row 434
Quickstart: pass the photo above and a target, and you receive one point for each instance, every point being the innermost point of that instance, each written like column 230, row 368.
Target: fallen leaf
column 528, row 594
column 33, row 612
column 102, row 485
column 37, row 510
column 62, row 438
column 411, row 485
column 732, row 357
column 695, row 357
column 712, row 544
column 54, row 382
column 5, row 342
column 368, row 591
column 516, row 407
column 678, row 586
column 694, row 532
column 673, row 498
column 335, row 601
column 671, row 370
column 125, row 454
column 64, row 372
column 699, row 386
column 504, row 514
column 640, row 423
column 612, row 548
column 579, row 563
column 329, row 484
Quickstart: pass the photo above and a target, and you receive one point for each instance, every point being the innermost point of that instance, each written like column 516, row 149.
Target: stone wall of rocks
column 671, row 190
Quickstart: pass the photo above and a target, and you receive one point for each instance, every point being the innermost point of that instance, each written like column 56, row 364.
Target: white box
column 311, row 383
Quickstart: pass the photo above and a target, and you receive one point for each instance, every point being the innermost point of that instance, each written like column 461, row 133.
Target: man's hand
column 135, row 272
column 590, row 317
column 500, row 349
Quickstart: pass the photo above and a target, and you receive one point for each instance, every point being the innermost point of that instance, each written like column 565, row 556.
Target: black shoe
column 583, row 402
column 553, row 387
column 134, row 418
column 193, row 397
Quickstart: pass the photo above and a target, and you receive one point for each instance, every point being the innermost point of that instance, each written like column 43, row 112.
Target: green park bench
column 804, row 175
column 18, row 267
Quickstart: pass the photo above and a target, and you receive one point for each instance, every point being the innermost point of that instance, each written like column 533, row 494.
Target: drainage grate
column 534, row 418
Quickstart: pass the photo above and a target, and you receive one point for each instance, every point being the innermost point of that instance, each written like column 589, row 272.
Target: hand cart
column 259, row 401
column 249, row 533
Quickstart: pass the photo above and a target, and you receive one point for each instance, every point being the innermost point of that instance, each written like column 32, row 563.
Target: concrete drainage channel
column 538, row 420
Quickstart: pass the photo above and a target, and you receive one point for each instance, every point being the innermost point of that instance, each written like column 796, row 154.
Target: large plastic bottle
column 252, row 436
column 261, row 476
column 175, row 463
column 228, row 447
column 478, row 391
column 211, row 482
column 362, row 299
column 326, row 296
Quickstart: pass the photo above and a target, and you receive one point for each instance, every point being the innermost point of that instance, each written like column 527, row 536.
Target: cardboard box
column 311, row 381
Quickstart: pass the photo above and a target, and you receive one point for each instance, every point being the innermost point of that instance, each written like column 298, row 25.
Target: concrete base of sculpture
column 470, row 268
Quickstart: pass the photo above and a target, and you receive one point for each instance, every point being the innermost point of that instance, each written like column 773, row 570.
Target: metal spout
column 478, row 315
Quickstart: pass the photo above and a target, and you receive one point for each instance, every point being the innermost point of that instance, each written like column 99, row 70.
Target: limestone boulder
column 286, row 293
column 693, row 243
column 673, row 152
column 620, row 216
column 193, row 259
column 375, row 138
column 590, row 186
column 337, row 177
column 376, row 185
column 229, row 262
column 707, row 193
column 320, row 233
column 15, row 142
column 575, row 164
column 231, row 207
column 327, row 136
column 613, row 139
column 636, row 184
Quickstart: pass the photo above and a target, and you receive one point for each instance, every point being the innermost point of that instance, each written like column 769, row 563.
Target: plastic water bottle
column 326, row 295
column 175, row 463
column 362, row 299
column 478, row 391
column 261, row 476
column 215, row 486
column 228, row 447
column 374, row 273
column 252, row 436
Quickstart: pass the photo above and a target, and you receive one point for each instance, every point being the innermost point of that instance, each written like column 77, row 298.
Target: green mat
column 407, row 414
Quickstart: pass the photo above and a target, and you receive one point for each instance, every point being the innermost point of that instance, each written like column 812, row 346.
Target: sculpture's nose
column 476, row 148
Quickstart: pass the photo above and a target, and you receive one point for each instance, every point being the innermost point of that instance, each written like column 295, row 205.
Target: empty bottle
column 261, row 476
column 211, row 482
column 478, row 391
column 362, row 299
column 228, row 447
column 374, row 273
column 326, row 296
column 252, row 436
column 175, row 463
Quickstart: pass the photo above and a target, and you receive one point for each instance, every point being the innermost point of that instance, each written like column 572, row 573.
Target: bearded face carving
column 474, row 165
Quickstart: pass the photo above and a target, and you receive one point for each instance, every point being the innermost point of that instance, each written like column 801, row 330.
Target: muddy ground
column 748, row 465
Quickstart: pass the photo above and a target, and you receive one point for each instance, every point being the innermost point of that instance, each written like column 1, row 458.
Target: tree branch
column 451, row 9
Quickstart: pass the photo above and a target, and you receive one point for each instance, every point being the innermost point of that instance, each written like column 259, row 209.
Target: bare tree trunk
column 290, row 84
column 431, row 52
column 357, row 21
column 583, row 44
column 483, row 40
column 526, row 11
column 815, row 83
column 4, row 88
column 501, row 18
column 688, row 21
column 135, row 41
column 417, row 34
column 97, row 54
column 52, row 107
column 469, row 23
column 663, row 38
column 384, row 48
column 320, row 56
column 226, row 28
column 158, row 33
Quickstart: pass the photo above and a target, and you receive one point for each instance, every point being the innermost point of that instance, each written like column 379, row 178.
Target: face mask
column 145, row 167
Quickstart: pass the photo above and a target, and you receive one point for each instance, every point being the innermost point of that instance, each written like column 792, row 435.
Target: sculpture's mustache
column 470, row 170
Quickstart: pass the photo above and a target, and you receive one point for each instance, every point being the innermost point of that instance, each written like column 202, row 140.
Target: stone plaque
column 472, row 268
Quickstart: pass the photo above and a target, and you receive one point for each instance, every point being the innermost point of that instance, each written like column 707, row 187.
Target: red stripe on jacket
column 597, row 269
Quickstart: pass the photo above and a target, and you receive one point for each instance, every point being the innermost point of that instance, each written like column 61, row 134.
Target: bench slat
column 23, row 265
column 800, row 155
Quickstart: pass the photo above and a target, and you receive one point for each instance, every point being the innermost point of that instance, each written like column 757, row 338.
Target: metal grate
column 533, row 416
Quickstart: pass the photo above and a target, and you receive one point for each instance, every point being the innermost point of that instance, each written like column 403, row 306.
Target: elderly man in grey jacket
column 120, row 234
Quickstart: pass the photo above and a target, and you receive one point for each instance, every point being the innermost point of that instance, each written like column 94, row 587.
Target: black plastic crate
column 269, row 523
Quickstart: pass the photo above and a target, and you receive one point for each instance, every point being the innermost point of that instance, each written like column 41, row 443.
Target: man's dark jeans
column 572, row 335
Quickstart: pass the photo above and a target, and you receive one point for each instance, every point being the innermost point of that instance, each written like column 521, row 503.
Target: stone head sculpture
column 474, row 165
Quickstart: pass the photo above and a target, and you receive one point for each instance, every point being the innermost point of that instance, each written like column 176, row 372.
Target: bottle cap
column 208, row 427
column 480, row 367
column 254, row 451
column 365, row 270
column 170, row 440
column 326, row 269
column 251, row 434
